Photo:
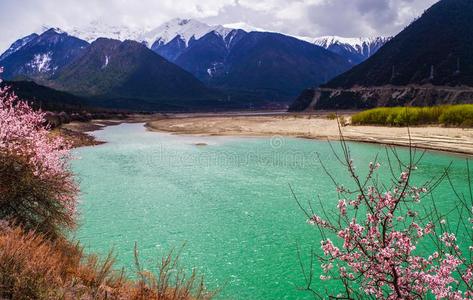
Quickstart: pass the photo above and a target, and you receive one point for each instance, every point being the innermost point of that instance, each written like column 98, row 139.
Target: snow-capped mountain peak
column 245, row 26
column 19, row 44
column 57, row 30
column 355, row 50
column 186, row 29
column 326, row 41
column 360, row 44
column 222, row 31
column 99, row 29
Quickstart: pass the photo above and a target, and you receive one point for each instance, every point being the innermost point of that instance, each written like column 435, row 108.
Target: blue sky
column 349, row 18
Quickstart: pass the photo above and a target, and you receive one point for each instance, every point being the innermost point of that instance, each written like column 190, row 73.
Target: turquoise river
column 227, row 198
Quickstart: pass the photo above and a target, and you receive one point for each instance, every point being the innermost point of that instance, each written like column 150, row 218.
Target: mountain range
column 258, row 64
column 117, row 72
column 355, row 49
column 113, row 73
column 182, row 61
column 429, row 62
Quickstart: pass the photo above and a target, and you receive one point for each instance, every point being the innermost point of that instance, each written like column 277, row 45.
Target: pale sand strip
column 455, row 140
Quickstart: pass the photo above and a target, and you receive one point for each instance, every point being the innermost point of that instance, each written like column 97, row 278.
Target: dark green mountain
column 255, row 66
column 129, row 75
column 105, row 74
column 278, row 66
column 436, row 48
column 46, row 98
column 206, row 57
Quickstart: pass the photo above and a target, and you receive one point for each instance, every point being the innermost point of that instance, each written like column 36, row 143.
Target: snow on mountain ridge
column 244, row 26
column 359, row 44
column 355, row 50
column 98, row 29
column 189, row 29
column 185, row 28
column 18, row 45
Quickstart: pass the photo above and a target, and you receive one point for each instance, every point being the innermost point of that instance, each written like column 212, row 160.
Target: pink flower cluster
column 375, row 248
column 24, row 135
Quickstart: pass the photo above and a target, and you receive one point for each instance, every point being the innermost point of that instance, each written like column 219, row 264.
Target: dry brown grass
column 33, row 267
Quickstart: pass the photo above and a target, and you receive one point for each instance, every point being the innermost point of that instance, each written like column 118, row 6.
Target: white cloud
column 297, row 17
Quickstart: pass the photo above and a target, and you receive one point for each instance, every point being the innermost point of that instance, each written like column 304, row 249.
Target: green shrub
column 459, row 115
column 32, row 201
column 448, row 115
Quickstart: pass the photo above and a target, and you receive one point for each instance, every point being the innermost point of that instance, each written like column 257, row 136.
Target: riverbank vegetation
column 38, row 198
column 447, row 115
column 32, row 266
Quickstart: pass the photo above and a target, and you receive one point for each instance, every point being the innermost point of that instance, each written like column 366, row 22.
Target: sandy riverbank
column 455, row 140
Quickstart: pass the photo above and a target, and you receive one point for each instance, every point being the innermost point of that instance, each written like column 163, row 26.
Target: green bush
column 459, row 115
column 448, row 115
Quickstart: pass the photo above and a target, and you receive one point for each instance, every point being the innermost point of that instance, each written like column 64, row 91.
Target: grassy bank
column 34, row 267
column 448, row 115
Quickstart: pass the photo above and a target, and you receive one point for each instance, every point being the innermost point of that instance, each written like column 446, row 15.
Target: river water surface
column 227, row 198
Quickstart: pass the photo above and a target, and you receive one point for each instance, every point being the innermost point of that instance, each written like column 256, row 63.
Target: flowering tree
column 37, row 191
column 382, row 243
